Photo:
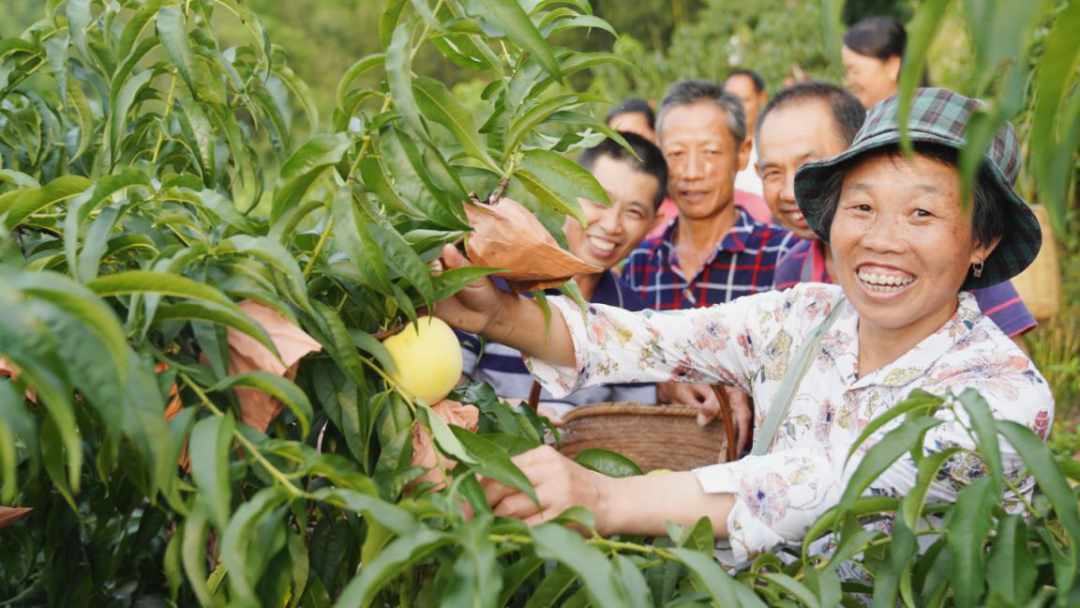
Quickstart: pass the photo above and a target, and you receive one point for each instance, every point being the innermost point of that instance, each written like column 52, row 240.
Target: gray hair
column 690, row 92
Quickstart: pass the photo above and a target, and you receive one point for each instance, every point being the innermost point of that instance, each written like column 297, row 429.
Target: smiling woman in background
column 873, row 53
column 820, row 360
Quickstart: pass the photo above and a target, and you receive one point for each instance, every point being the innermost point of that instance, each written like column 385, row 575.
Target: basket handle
column 729, row 423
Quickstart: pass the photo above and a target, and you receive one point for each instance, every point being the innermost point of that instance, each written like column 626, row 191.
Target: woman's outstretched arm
column 506, row 318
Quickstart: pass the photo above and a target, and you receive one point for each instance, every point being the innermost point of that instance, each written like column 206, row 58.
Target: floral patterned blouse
column 750, row 342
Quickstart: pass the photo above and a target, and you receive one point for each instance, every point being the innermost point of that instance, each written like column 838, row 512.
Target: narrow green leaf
column 121, row 105
column 922, row 31
column 917, row 400
column 399, row 77
column 354, row 239
column 356, row 70
column 492, row 461
column 193, row 554
column 552, row 588
column 304, row 167
column 238, row 541
column 278, row 387
column 965, row 533
column 396, row 519
column 210, row 454
column 400, row 257
column 711, row 577
column 213, row 313
column 19, row 205
column 509, row 17
column 172, row 29
column 78, row 17
column 556, row 543
column 607, row 462
column 394, row 559
column 439, row 105
column 911, row 507
column 15, row 421
column 388, row 20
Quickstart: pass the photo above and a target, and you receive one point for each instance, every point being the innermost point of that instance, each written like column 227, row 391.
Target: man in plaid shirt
column 713, row 251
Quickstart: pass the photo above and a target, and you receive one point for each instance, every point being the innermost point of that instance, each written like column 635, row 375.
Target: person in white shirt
column 748, row 86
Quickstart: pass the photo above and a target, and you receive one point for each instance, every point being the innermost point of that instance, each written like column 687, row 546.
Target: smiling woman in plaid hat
column 820, row 360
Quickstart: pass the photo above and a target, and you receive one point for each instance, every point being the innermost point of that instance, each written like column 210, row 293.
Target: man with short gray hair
column 713, row 251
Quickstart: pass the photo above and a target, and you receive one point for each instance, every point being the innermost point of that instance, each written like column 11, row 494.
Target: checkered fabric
column 937, row 116
column 744, row 263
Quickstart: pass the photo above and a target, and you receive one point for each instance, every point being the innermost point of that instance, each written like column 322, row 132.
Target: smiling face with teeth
column 902, row 242
column 614, row 231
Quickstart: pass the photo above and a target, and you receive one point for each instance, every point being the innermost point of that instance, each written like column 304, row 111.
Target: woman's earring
column 977, row 269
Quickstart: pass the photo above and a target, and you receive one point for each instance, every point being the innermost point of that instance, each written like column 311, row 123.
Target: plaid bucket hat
column 941, row 117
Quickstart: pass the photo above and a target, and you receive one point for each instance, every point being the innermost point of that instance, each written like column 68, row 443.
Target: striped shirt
column 805, row 263
column 743, row 264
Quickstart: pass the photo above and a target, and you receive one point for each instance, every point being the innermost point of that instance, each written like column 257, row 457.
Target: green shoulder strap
column 785, row 395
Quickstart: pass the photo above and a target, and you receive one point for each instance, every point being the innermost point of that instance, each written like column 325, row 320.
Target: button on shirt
column 501, row 366
column 805, row 263
column 751, row 343
column 744, row 263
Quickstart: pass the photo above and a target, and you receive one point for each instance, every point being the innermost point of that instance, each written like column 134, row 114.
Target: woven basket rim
column 630, row 408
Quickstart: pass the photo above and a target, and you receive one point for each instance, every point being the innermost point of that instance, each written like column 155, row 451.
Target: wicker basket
column 653, row 436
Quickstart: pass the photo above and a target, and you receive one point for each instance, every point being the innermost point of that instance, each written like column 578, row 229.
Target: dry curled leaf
column 246, row 354
column 424, row 452
column 507, row 235
column 10, row 515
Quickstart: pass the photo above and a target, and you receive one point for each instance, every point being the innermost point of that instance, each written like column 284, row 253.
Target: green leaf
column 393, row 560
column 276, row 386
column 52, row 456
column 492, row 461
column 710, row 576
column 965, row 533
column 607, row 462
column 193, row 554
column 82, row 304
column 172, row 29
column 209, row 312
column 210, row 454
column 357, row 243
column 556, row 543
column 399, row 77
column 536, row 114
column 633, row 584
column 439, row 105
column 916, row 401
column 508, row 16
column 911, row 507
column 147, row 281
column 1010, row 569
column 238, row 542
column 552, row 588
column 404, row 261
column 20, row 204
column 882, row 455
column 985, row 427
column 304, row 167
column 356, row 70
column 444, row 437
column 558, row 182
column 1053, row 484
column 118, row 117
column 377, row 181
column 78, row 17
column 793, row 588
column 393, row 517
column 86, row 119
column 15, row 421
column 388, row 20
column 449, row 282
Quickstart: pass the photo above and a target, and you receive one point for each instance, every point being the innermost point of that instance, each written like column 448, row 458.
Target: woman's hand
column 630, row 505
column 473, row 309
column 704, row 397
column 560, row 483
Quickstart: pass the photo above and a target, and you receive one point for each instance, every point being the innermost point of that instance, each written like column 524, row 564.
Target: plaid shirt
column 743, row 264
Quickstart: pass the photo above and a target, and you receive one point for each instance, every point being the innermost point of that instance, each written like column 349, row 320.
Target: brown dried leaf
column 10, row 515
column 247, row 355
column 507, row 235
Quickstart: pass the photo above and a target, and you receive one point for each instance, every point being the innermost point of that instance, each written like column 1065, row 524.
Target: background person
column 813, row 121
column 713, row 251
column 633, row 116
column 872, row 54
column 636, row 187
column 907, row 249
column 749, row 87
